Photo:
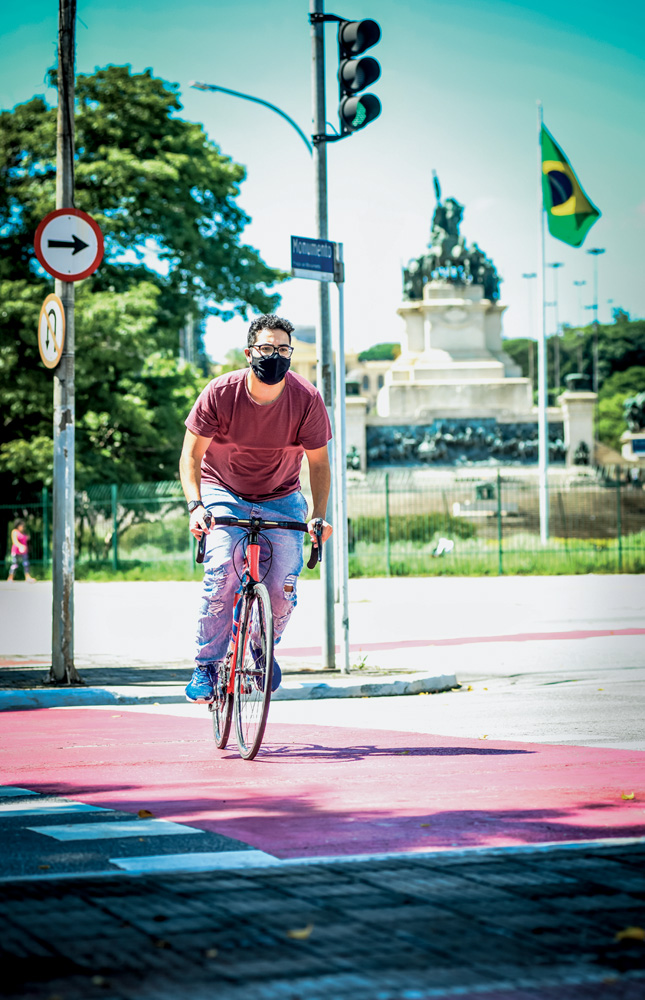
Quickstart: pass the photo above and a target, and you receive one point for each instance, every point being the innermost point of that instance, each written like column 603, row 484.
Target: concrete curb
column 337, row 687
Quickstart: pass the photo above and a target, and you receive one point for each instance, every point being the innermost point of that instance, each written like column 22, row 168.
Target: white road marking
column 48, row 807
column 9, row 791
column 114, row 828
column 205, row 862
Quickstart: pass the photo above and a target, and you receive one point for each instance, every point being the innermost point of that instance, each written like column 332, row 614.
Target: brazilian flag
column 569, row 212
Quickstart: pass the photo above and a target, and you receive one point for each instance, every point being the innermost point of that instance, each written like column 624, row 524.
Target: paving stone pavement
column 527, row 925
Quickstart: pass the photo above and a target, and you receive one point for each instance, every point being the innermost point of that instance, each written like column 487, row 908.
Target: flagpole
column 543, row 426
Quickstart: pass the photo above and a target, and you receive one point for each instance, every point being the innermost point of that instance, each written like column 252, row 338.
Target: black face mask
column 270, row 370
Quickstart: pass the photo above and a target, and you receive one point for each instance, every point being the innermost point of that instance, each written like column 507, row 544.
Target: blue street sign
column 312, row 258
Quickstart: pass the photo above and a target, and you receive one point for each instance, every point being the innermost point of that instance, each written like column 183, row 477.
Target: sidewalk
column 490, row 925
column 133, row 640
column 25, row 684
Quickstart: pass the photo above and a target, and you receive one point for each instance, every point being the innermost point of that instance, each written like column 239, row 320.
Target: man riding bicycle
column 242, row 452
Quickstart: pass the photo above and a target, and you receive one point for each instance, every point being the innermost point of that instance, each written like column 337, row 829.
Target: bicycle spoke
column 222, row 707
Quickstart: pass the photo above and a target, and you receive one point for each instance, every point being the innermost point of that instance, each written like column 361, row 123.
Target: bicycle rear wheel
column 253, row 672
column 222, row 707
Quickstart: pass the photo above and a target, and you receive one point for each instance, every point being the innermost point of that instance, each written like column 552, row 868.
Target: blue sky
column 459, row 87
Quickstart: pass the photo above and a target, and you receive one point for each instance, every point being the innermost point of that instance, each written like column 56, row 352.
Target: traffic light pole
column 323, row 330
column 63, row 670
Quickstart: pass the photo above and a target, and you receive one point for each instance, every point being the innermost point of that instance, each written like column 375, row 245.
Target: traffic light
column 355, row 74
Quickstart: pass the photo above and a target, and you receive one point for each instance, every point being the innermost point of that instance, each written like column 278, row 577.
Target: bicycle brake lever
column 316, row 550
column 201, row 548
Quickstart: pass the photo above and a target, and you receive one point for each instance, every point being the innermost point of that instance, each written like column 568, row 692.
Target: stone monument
column 452, row 364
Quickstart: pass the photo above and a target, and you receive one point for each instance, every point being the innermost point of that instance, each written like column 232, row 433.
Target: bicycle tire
column 222, row 708
column 253, row 676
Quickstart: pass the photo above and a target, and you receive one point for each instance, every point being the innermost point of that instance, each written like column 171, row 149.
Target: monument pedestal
column 578, row 411
column 452, row 363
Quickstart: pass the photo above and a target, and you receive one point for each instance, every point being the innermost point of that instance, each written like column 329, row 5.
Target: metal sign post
column 69, row 245
column 316, row 259
column 341, row 468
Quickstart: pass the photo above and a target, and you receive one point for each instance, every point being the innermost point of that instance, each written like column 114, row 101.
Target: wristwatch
column 193, row 504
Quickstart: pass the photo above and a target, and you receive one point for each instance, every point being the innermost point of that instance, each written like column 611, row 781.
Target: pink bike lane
column 327, row 791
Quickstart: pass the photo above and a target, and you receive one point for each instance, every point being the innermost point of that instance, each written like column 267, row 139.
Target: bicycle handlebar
column 259, row 524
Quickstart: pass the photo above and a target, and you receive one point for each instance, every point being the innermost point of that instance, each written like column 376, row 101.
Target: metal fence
column 400, row 524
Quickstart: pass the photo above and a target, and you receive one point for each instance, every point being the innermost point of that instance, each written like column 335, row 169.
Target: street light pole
column 323, row 329
column 579, row 285
column 256, row 100
column 530, row 331
column 595, row 252
column 556, row 347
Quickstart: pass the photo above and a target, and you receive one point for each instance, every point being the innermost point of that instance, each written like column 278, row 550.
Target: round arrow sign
column 69, row 244
column 51, row 331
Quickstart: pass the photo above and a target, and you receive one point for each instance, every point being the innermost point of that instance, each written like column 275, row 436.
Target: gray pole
column 342, row 567
column 63, row 669
column 323, row 330
column 533, row 274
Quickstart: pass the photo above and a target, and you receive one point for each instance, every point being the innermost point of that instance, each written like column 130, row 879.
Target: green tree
column 165, row 197
column 621, row 346
column 381, row 352
column 611, row 403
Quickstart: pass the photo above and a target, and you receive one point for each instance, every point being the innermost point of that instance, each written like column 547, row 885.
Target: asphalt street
column 481, row 842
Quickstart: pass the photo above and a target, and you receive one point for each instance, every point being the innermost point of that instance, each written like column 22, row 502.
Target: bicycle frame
column 250, row 576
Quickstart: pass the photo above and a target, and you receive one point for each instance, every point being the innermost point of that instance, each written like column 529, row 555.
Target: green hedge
column 411, row 527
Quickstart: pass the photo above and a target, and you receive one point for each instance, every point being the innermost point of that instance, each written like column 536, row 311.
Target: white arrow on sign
column 51, row 331
column 69, row 244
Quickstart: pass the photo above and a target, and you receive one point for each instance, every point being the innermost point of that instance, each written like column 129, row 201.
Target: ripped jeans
column 282, row 564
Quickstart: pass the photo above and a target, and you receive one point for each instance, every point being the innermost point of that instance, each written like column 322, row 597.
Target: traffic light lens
column 361, row 115
column 356, row 36
column 356, row 74
column 356, row 112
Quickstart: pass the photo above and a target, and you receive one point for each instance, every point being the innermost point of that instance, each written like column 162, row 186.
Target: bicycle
column 243, row 684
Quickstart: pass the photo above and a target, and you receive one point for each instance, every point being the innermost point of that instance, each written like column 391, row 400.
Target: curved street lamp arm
column 257, row 100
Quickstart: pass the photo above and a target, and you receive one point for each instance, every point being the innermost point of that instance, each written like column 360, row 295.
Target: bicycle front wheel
column 253, row 672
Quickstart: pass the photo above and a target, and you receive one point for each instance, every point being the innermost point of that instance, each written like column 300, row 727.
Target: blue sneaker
column 277, row 673
column 201, row 686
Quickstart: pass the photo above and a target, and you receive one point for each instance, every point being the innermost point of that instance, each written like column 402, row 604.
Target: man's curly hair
column 268, row 322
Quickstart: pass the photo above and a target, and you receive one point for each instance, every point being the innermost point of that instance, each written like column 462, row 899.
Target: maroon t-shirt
column 257, row 449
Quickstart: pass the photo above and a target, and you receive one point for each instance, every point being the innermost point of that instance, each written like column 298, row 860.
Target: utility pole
column 63, row 669
column 323, row 329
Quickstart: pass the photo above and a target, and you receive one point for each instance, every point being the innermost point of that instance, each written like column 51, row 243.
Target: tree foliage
column 621, row 356
column 381, row 352
column 165, row 197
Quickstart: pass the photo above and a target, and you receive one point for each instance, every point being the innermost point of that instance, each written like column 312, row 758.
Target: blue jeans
column 280, row 566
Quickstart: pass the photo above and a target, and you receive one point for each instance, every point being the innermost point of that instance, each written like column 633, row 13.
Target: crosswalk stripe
column 204, row 862
column 48, row 806
column 114, row 828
